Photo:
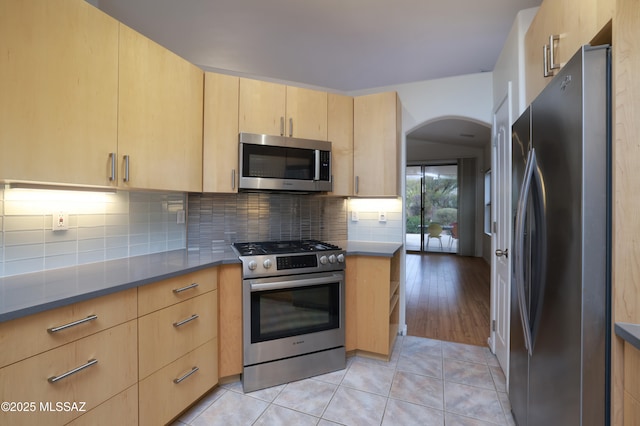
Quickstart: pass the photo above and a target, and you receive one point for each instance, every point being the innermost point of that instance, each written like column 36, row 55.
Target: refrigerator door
column 518, row 354
column 569, row 133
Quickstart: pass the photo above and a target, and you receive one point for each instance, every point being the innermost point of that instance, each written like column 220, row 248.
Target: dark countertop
column 28, row 294
column 629, row 332
column 366, row 248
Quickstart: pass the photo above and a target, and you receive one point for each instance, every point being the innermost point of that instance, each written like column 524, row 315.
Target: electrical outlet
column 354, row 216
column 382, row 217
column 181, row 217
column 60, row 221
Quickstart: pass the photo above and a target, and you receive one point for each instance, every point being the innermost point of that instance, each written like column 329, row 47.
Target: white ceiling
column 337, row 45
column 342, row 45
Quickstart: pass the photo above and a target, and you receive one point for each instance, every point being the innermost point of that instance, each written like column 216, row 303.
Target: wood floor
column 448, row 298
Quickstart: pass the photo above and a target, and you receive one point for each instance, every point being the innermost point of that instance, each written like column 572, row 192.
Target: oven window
column 278, row 162
column 289, row 312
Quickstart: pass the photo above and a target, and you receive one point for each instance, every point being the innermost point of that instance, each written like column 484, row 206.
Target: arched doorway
column 464, row 143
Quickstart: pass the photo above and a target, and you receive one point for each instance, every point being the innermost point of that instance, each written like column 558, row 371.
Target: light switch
column 382, row 217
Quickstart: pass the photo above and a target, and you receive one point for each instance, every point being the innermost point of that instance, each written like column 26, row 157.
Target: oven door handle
column 296, row 282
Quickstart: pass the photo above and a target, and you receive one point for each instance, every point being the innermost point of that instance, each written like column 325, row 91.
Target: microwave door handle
column 317, row 168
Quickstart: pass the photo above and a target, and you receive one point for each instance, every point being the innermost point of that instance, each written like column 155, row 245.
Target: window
column 487, row 202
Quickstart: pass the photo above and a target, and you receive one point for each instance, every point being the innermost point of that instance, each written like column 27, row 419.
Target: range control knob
column 323, row 260
column 267, row 263
column 341, row 258
column 253, row 265
column 332, row 258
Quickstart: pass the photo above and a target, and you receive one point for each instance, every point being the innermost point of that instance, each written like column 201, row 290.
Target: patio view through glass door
column 432, row 208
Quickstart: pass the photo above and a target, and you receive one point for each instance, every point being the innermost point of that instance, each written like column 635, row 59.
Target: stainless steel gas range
column 293, row 311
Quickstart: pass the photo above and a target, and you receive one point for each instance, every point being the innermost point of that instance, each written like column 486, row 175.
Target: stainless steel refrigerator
column 560, row 304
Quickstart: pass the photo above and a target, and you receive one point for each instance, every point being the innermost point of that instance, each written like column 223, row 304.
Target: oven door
column 292, row 315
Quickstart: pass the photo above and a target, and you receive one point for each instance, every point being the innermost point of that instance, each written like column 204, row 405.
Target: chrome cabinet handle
column 290, row 127
column 178, row 380
column 71, row 324
column 126, row 169
column 189, row 287
column 184, row 321
column 281, row 126
column 552, row 52
column 89, row 363
column 545, row 61
column 233, row 178
column 357, row 184
column 112, row 157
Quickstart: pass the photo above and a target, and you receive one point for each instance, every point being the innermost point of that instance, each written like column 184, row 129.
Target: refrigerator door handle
column 519, row 260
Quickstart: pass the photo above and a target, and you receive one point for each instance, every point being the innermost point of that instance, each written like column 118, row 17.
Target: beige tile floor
column 427, row 382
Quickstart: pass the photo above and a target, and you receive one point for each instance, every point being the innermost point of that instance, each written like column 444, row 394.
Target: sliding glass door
column 432, row 208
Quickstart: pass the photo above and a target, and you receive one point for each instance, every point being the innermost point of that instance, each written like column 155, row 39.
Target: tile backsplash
column 101, row 226
column 375, row 219
column 217, row 220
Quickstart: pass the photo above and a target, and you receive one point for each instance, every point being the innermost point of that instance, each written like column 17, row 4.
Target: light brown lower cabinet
column 105, row 364
column 139, row 356
column 631, row 385
column 121, row 409
column 230, row 314
column 372, row 304
column 168, row 391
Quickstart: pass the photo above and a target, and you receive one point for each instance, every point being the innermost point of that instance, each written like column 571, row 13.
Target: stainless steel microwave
column 284, row 164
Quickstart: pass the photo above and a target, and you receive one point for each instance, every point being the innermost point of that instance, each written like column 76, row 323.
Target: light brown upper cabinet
column 160, row 100
column 59, row 92
column 376, row 144
column 276, row 109
column 220, row 143
column 340, row 133
column 557, row 32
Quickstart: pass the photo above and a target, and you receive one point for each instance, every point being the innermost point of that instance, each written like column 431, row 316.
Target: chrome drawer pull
column 178, row 380
column 191, row 318
column 74, row 371
column 189, row 287
column 71, row 324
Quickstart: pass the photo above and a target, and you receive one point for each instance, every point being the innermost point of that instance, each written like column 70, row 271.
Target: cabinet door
column 230, row 323
column 114, row 350
column 59, row 86
column 376, row 127
column 575, row 22
column 220, row 143
column 306, row 113
column 170, row 390
column 340, row 134
column 373, row 303
column 262, row 107
column 159, row 116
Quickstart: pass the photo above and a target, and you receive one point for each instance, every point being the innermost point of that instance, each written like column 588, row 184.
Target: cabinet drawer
column 162, row 399
column 173, row 290
column 29, row 380
column 166, row 335
column 122, row 409
column 28, row 336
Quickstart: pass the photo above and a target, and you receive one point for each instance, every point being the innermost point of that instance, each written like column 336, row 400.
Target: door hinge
column 493, row 325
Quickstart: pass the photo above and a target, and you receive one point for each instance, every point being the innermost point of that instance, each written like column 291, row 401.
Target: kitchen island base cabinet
column 372, row 304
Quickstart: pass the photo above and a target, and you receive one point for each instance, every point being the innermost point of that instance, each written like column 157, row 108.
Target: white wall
column 510, row 64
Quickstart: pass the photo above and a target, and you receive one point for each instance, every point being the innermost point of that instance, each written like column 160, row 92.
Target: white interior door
column 501, row 241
